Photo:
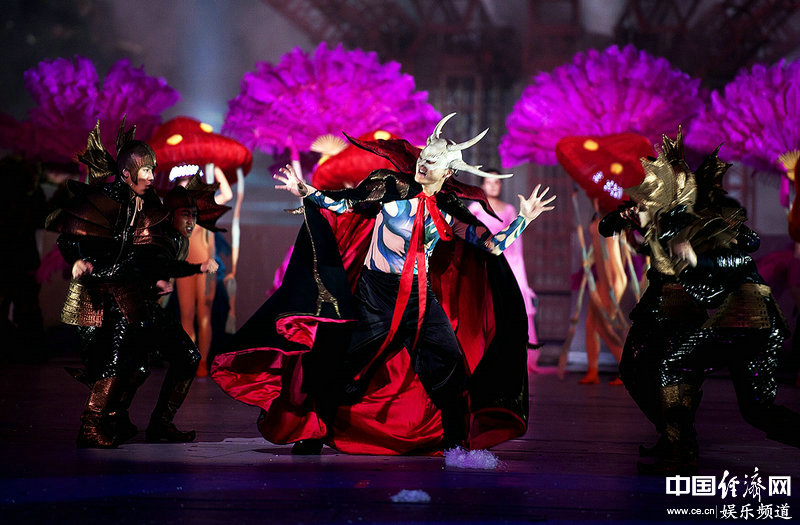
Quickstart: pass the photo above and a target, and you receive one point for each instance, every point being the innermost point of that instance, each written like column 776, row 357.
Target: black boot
column 678, row 453
column 79, row 374
column 661, row 447
column 455, row 422
column 161, row 428
column 95, row 431
column 119, row 419
column 307, row 447
column 657, row 450
column 779, row 422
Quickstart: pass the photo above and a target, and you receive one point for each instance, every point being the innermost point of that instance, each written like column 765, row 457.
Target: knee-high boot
column 119, row 419
column 95, row 431
column 173, row 393
column 678, row 452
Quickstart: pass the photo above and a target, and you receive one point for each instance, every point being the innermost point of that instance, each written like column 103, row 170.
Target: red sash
column 416, row 254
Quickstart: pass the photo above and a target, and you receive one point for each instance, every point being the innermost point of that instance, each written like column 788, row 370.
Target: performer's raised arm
column 529, row 209
column 294, row 185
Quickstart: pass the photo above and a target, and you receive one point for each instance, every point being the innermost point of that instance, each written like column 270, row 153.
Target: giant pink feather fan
column 69, row 102
column 291, row 104
column 600, row 93
column 756, row 118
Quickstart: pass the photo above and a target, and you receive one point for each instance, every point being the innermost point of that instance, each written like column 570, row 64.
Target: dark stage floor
column 576, row 463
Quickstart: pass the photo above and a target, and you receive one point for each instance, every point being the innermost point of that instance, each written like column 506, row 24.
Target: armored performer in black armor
column 99, row 228
column 164, row 334
column 122, row 250
column 700, row 255
column 664, row 313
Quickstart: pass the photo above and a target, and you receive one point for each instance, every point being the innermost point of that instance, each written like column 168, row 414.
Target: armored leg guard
column 678, row 448
column 661, row 447
column 95, row 431
column 119, row 419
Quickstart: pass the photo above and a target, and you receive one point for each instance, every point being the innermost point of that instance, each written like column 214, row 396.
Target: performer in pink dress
column 506, row 213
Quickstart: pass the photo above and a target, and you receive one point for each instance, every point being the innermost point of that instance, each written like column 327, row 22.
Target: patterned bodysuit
column 391, row 235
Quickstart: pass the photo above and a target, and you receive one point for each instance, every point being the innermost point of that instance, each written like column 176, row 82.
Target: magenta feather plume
column 334, row 91
column 69, row 102
column 129, row 92
column 599, row 93
column 64, row 92
column 757, row 117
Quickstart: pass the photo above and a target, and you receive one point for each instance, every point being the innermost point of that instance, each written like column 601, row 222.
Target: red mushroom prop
column 604, row 166
column 184, row 140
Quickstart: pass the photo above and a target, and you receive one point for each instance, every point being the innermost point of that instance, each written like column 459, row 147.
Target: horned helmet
column 441, row 153
column 668, row 181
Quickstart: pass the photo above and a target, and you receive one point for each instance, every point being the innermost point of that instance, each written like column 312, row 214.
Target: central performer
column 369, row 277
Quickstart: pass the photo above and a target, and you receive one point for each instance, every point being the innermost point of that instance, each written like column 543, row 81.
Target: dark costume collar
column 103, row 204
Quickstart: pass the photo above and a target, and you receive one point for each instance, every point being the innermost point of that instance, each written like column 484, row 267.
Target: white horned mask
column 441, row 153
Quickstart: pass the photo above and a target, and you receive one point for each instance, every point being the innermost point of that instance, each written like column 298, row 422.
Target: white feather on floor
column 473, row 459
column 411, row 496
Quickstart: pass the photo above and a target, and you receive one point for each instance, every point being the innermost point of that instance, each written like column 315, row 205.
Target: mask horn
column 467, row 144
column 438, row 129
column 460, row 165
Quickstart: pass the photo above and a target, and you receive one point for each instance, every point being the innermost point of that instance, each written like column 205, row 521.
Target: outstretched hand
column 291, row 182
column 533, row 206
